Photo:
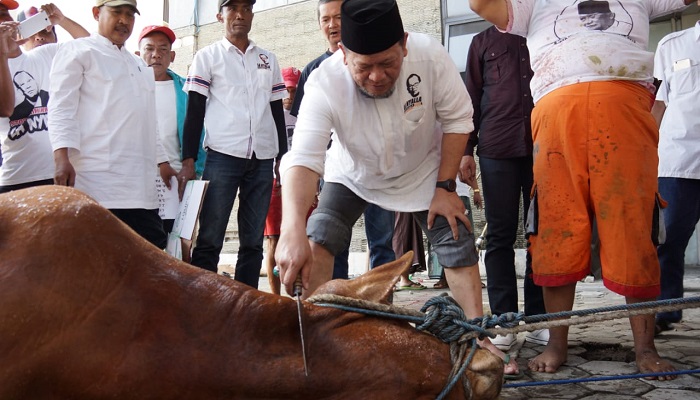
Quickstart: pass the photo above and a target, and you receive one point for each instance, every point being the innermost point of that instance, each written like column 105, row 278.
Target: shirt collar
column 103, row 40
column 696, row 31
column 228, row 45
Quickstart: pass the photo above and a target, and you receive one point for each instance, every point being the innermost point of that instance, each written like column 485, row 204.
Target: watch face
column 450, row 185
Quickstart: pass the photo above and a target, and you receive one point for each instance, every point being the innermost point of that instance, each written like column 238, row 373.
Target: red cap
column 290, row 75
column 10, row 4
column 158, row 28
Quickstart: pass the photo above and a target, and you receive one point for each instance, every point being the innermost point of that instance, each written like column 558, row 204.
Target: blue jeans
column 681, row 216
column 506, row 183
column 226, row 175
column 379, row 228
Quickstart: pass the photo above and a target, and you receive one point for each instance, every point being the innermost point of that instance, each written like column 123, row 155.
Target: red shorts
column 273, row 222
column 595, row 155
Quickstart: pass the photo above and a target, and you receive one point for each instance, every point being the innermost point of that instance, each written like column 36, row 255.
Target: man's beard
column 376, row 96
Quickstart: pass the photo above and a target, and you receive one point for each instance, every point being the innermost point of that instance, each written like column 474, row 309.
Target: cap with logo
column 225, row 2
column 158, row 28
column 10, row 4
column 290, row 75
column 117, row 3
column 370, row 26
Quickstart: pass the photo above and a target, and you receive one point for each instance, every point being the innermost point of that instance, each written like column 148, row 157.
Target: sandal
column 441, row 284
column 412, row 286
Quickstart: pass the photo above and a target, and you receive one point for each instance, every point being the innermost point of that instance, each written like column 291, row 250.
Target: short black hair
column 318, row 7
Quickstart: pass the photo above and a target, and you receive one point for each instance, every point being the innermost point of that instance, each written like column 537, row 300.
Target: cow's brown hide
column 89, row 310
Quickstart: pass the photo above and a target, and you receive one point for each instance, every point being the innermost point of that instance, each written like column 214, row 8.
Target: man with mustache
column 379, row 223
column 102, row 130
column 236, row 89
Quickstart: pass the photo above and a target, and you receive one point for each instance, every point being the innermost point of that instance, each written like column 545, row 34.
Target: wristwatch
column 450, row 185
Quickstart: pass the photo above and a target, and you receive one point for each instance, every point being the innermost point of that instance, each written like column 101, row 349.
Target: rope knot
column 445, row 319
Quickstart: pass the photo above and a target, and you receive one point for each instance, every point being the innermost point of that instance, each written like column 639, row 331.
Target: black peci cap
column 370, row 26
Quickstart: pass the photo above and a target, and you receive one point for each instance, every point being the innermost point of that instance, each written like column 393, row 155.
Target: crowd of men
column 386, row 124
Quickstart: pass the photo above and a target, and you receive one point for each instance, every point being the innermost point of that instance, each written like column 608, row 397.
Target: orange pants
column 595, row 155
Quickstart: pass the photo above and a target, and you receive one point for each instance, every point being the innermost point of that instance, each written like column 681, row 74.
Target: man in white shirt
column 26, row 148
column 101, row 119
column 385, row 151
column 155, row 49
column 236, row 89
column 595, row 156
column 677, row 111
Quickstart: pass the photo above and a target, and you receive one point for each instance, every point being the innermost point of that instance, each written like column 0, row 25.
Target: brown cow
column 89, row 310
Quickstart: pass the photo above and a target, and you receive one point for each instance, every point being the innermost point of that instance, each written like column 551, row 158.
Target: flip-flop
column 412, row 286
column 511, row 377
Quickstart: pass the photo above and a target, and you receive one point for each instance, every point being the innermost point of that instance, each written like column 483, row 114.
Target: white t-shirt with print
column 26, row 148
column 565, row 51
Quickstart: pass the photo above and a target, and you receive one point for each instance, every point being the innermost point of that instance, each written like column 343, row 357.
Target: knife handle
column 298, row 287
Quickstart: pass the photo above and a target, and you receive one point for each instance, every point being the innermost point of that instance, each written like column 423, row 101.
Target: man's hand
column 450, row 206
column 185, row 175
column 8, row 33
column 467, row 169
column 478, row 200
column 55, row 15
column 65, row 173
column 166, row 173
column 293, row 256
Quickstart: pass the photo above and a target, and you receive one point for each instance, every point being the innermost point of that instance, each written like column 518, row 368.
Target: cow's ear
column 376, row 286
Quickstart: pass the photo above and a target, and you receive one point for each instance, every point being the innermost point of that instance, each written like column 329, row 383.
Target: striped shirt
column 239, row 88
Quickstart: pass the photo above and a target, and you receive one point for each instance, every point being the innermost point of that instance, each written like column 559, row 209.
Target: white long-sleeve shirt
column 102, row 108
column 677, row 65
column 385, row 150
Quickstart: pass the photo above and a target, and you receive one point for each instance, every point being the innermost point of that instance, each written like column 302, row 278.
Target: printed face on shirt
column 412, row 84
column 598, row 21
column 237, row 17
column 115, row 23
column 329, row 21
column 26, row 84
column 156, row 51
column 376, row 74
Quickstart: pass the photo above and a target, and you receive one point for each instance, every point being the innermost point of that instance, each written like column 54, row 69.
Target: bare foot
column 509, row 368
column 649, row 361
column 550, row 360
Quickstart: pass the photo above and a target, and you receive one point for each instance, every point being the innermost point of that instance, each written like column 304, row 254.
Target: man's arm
column 495, row 11
column 191, row 136
column 67, row 76
column 280, row 125
column 658, row 110
column 300, row 92
column 293, row 253
column 7, row 88
column 57, row 18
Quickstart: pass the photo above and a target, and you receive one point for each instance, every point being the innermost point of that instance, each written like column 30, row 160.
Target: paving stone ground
column 596, row 350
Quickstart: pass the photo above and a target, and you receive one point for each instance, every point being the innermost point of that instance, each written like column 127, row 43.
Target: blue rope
column 599, row 379
column 445, row 319
column 460, row 373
